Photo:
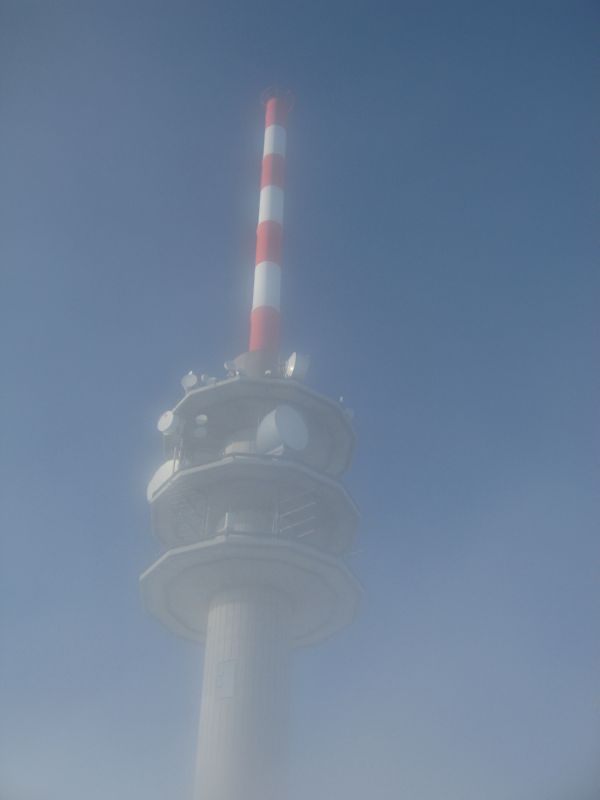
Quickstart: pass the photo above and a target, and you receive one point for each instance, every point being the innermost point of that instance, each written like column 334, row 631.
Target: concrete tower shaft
column 254, row 523
column 243, row 723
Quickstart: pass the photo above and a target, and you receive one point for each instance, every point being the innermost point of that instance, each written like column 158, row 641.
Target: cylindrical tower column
column 264, row 321
column 243, row 717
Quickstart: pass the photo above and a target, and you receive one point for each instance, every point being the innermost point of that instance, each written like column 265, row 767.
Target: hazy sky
column 440, row 267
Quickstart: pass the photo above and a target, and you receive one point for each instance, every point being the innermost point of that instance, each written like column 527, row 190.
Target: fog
column 440, row 269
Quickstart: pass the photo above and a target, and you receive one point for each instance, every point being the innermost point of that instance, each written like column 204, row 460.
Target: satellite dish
column 297, row 366
column 283, row 428
column 160, row 477
column 168, row 423
column 189, row 381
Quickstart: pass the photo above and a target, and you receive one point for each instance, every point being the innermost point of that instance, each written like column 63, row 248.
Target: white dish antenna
column 190, row 381
column 160, row 477
column 168, row 423
column 282, row 428
column 297, row 366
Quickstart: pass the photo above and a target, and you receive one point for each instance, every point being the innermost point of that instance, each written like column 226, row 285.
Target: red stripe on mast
column 269, row 242
column 264, row 328
column 277, row 106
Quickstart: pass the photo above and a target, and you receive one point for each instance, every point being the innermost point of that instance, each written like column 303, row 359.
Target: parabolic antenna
column 167, row 423
column 160, row 477
column 297, row 366
column 190, row 381
column 282, row 427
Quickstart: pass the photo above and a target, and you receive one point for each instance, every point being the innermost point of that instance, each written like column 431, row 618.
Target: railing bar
column 297, row 509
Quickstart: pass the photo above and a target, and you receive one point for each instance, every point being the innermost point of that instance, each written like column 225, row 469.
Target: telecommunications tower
column 254, row 523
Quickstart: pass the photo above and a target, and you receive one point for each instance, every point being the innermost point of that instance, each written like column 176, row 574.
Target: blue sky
column 440, row 267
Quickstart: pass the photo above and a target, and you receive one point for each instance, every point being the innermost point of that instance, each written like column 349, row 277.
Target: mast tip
column 284, row 96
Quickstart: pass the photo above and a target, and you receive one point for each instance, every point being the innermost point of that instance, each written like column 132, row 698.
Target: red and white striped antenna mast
column 265, row 317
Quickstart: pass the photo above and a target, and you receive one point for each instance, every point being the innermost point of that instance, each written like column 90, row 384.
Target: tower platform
column 321, row 592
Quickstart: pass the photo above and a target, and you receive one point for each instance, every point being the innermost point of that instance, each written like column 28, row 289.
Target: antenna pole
column 265, row 317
